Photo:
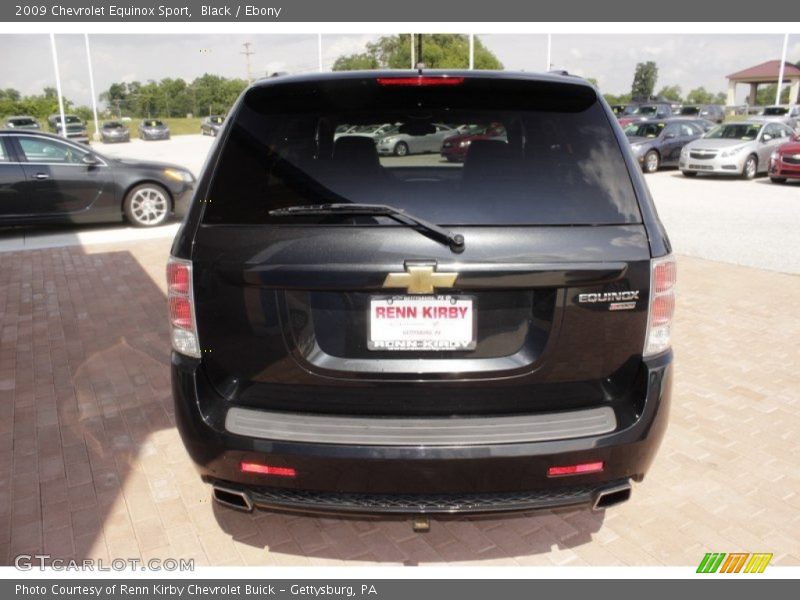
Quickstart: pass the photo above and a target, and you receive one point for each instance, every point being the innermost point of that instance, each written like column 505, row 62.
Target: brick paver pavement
column 91, row 465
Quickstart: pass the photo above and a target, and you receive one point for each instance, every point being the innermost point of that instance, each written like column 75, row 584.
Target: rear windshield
column 22, row 122
column 691, row 110
column 485, row 152
column 113, row 125
column 776, row 111
column 153, row 124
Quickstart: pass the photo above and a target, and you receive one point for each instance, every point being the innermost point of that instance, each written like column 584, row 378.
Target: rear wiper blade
column 454, row 240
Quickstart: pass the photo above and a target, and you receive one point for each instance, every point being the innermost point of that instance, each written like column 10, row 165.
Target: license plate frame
column 429, row 341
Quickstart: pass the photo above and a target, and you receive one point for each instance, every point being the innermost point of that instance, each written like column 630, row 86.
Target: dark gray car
column 153, row 129
column 658, row 143
column 114, row 131
column 211, row 125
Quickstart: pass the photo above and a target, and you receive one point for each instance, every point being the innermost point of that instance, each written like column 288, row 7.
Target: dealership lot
column 92, row 465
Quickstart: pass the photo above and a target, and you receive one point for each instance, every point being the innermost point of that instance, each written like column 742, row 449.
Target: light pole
column 58, row 85
column 780, row 71
column 91, row 87
column 471, row 51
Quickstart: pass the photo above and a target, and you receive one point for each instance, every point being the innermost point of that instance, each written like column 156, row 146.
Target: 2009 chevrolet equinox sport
column 355, row 333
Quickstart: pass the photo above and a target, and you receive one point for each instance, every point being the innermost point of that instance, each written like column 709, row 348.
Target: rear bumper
column 416, row 478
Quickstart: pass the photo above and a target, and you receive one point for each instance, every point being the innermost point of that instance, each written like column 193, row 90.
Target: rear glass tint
column 485, row 152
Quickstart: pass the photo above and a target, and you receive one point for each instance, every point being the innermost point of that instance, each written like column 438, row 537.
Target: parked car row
column 742, row 148
column 110, row 131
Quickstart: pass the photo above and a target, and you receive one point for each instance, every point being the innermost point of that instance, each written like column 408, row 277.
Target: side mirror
column 766, row 138
column 90, row 160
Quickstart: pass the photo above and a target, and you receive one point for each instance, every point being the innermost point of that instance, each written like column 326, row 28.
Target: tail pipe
column 233, row 498
column 612, row 496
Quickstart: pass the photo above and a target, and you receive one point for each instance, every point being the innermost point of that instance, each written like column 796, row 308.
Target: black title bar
column 259, row 11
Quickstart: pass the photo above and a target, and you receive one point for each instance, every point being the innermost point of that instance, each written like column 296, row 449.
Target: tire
column 778, row 179
column 651, row 162
column 400, row 149
column 147, row 205
column 689, row 173
column 750, row 168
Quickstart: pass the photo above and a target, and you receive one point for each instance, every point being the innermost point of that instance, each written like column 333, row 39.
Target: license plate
column 422, row 323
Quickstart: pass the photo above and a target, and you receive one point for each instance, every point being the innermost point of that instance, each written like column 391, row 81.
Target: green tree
column 700, row 96
column 617, row 99
column 439, row 51
column 766, row 95
column 644, row 79
column 671, row 93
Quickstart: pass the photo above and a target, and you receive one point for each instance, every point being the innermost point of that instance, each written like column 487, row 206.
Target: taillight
column 420, row 81
column 180, row 299
column 663, row 275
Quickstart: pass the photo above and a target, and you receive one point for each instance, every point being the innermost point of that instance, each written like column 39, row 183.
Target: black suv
column 363, row 334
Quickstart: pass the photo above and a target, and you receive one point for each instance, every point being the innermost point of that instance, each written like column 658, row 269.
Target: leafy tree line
column 40, row 106
column 439, row 51
column 206, row 95
column 209, row 94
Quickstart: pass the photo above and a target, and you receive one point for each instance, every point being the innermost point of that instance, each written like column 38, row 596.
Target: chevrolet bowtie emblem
column 420, row 279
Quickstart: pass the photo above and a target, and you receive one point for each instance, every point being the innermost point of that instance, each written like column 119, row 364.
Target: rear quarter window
column 487, row 152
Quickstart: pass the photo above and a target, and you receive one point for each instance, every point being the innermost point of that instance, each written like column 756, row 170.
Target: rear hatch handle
column 455, row 241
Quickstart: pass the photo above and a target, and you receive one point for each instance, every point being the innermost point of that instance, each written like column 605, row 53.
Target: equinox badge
column 420, row 279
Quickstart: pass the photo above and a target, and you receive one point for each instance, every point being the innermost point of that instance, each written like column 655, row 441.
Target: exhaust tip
column 236, row 499
column 612, row 496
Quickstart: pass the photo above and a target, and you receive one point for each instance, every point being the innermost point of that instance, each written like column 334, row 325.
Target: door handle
column 42, row 176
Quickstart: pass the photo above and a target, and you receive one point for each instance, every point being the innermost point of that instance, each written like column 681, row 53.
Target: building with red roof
column 765, row 74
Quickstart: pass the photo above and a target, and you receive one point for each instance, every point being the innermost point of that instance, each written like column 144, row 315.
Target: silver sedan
column 401, row 144
column 739, row 149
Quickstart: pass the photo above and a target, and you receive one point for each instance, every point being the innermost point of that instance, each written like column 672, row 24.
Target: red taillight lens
column 259, row 469
column 579, row 469
column 662, row 309
column 181, row 307
column 663, row 275
column 180, row 312
column 420, row 81
column 178, row 278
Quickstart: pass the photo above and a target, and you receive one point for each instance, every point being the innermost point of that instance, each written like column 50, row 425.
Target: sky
column 690, row 60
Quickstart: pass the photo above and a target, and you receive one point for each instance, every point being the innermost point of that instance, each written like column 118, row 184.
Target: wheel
column 147, row 205
column 651, row 162
column 689, row 173
column 750, row 167
column 778, row 179
column 401, row 149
